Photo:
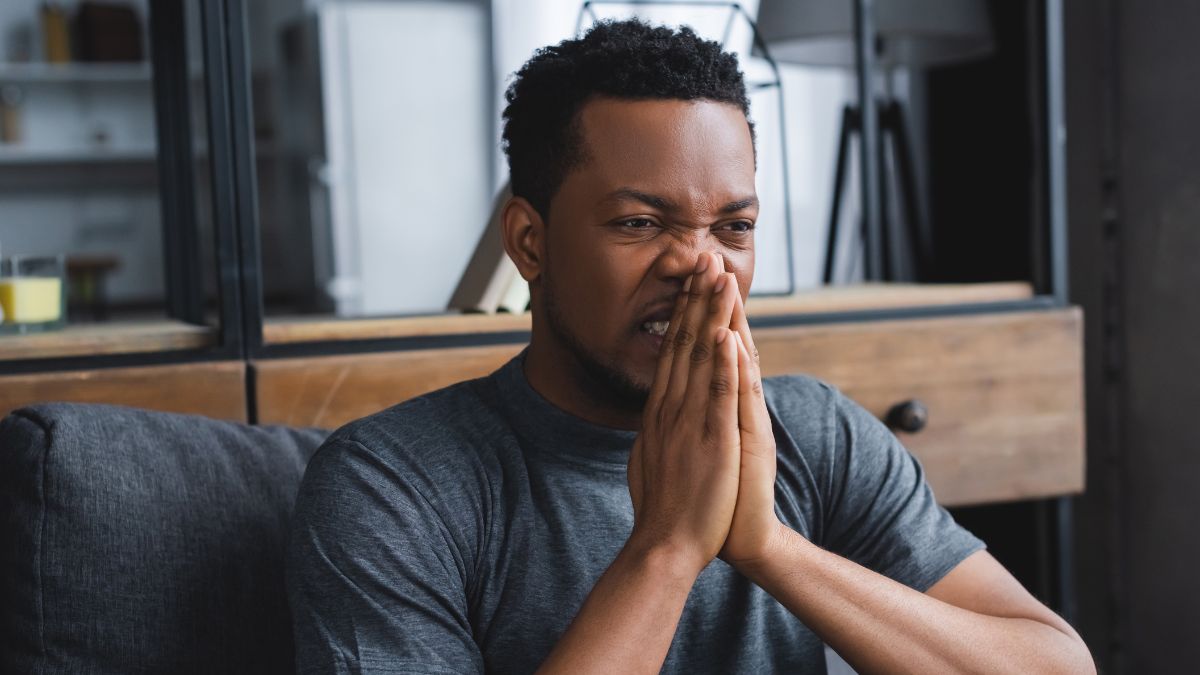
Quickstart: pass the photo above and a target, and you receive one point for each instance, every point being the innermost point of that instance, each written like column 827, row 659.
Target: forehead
column 695, row 149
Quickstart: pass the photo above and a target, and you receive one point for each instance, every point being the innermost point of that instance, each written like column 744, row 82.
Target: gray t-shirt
column 460, row 532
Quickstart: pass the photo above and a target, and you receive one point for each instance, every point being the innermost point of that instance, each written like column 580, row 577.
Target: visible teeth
column 656, row 327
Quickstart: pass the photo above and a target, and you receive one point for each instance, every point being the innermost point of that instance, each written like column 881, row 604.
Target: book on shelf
column 107, row 32
column 56, row 34
column 490, row 273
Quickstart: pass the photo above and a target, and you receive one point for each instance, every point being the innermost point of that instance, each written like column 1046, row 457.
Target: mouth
column 655, row 328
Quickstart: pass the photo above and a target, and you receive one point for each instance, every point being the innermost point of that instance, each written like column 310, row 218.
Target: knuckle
column 668, row 346
column 756, row 387
column 756, row 354
column 663, row 418
column 684, row 338
column 701, row 352
column 650, row 414
column 720, row 386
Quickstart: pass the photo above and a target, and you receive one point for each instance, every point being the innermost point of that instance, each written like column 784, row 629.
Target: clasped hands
column 702, row 470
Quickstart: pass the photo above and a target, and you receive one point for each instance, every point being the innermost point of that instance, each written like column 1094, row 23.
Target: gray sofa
column 144, row 542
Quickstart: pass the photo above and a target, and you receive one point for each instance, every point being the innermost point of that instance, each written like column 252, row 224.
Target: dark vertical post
column 1056, row 134
column 176, row 178
column 1056, row 151
column 864, row 51
column 245, row 175
column 223, row 175
column 849, row 123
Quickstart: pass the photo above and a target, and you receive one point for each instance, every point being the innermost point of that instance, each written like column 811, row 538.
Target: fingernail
column 702, row 264
column 720, row 262
column 720, row 285
column 687, row 284
column 721, row 335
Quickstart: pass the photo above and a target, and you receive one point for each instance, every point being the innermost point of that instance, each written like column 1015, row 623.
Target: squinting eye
column 637, row 223
column 741, row 226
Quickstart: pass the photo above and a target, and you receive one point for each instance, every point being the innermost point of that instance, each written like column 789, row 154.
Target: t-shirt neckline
column 554, row 431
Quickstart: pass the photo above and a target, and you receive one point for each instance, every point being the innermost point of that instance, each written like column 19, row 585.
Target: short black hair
column 627, row 59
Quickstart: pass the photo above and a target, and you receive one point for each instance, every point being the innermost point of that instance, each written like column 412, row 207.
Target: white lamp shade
column 909, row 32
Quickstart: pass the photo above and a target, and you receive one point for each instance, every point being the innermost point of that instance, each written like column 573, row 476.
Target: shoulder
column 805, row 402
column 802, row 405
column 821, row 433
column 446, row 437
column 798, row 393
column 452, row 416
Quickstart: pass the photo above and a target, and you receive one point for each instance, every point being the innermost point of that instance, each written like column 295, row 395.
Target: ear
column 524, row 237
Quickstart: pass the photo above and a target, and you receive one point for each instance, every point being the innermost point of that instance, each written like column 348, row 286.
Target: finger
column 662, row 373
column 687, row 335
column 754, row 421
column 720, row 419
column 716, row 323
column 634, row 475
column 741, row 325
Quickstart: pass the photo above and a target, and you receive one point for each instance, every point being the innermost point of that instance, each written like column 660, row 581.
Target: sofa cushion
column 137, row 541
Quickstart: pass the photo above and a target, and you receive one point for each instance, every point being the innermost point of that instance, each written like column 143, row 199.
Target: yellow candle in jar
column 31, row 299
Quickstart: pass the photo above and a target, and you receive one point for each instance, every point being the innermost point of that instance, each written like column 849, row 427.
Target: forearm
column 881, row 626
column 628, row 620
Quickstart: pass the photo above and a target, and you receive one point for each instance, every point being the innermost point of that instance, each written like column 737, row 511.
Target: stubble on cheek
column 603, row 377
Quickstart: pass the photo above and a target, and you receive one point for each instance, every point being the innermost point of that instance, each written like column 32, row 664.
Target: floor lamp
column 904, row 33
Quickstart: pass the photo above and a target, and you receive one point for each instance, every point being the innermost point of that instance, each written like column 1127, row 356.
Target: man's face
column 662, row 182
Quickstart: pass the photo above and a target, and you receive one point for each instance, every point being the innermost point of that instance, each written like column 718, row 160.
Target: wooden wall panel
column 214, row 389
column 328, row 391
column 1004, row 391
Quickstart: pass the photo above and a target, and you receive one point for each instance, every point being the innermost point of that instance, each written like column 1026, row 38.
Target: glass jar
column 33, row 294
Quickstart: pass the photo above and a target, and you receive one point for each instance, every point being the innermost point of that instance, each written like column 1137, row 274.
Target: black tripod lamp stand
column 900, row 33
column 893, row 134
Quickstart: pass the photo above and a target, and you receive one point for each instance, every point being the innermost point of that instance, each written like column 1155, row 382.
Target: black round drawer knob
column 910, row 416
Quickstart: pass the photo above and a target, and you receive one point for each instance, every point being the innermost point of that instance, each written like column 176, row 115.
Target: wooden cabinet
column 215, row 389
column 1003, row 392
column 1000, row 392
column 328, row 391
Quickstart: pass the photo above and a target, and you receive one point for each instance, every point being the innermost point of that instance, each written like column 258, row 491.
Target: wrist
column 665, row 558
column 773, row 555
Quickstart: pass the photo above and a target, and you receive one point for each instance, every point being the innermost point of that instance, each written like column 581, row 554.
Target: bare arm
column 881, row 626
column 978, row 618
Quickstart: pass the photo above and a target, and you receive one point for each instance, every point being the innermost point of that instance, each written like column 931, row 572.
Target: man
column 628, row 495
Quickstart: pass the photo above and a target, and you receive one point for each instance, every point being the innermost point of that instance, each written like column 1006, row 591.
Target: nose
column 678, row 260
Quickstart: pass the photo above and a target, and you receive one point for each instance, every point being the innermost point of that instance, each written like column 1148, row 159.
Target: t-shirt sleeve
column 375, row 581
column 881, row 512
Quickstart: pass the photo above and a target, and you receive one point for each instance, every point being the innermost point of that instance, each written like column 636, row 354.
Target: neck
column 555, row 373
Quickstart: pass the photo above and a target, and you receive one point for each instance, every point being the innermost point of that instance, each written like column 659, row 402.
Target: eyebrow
column 664, row 204
column 734, row 207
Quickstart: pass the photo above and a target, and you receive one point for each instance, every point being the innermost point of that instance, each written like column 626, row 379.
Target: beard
column 601, row 378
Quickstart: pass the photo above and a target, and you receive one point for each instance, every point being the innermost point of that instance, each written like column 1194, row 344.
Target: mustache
column 661, row 308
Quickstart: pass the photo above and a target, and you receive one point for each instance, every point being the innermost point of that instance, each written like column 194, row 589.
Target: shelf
column 287, row 330
column 107, row 338
column 33, row 73
column 869, row 296
column 23, row 156
column 291, row 330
